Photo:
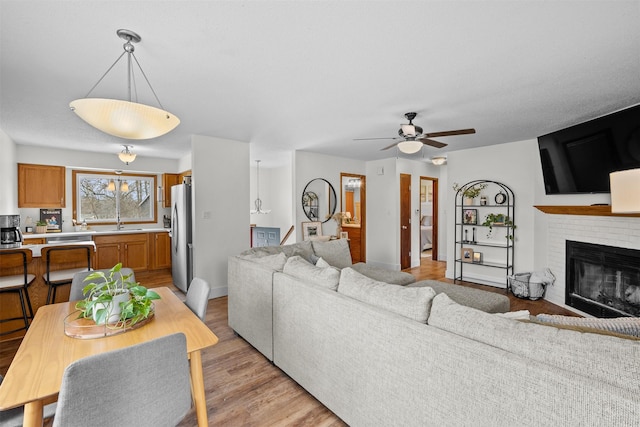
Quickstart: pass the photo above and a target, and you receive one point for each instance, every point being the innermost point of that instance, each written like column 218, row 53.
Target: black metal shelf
column 461, row 240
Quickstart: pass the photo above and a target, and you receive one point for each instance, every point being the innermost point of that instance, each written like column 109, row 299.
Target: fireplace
column 603, row 281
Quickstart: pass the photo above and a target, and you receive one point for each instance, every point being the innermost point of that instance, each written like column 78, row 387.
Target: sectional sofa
column 383, row 354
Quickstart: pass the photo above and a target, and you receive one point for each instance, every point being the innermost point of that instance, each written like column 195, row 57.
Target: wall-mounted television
column 580, row 158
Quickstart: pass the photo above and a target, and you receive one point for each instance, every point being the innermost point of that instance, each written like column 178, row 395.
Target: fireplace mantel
column 597, row 210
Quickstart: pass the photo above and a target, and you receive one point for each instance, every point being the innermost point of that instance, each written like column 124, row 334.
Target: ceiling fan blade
column 390, row 146
column 450, row 133
column 432, row 143
column 371, row 139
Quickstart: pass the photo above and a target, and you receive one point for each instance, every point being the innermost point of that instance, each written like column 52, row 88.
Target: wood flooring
column 245, row 389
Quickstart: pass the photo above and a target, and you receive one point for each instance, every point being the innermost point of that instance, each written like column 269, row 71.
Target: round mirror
column 319, row 200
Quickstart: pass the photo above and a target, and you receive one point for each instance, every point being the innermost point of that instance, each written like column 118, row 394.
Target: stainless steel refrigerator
column 181, row 244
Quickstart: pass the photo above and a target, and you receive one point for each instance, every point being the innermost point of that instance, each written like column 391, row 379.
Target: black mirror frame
column 333, row 202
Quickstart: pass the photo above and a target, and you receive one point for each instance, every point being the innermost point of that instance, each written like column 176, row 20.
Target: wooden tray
column 85, row 329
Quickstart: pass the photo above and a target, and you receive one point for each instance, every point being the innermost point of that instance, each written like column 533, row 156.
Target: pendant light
column 125, row 119
column 410, row 146
column 127, row 156
column 258, row 203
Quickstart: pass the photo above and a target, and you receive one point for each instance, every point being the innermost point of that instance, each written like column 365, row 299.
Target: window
column 102, row 197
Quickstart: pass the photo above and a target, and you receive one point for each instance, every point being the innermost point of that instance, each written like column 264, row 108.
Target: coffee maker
column 10, row 235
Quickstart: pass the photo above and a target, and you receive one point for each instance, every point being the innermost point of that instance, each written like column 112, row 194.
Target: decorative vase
column 468, row 200
column 113, row 308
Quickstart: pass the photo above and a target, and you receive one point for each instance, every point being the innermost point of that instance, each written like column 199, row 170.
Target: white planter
column 113, row 308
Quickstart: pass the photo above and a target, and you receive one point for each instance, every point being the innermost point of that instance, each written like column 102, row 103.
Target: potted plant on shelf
column 471, row 192
column 41, row 227
column 501, row 220
column 113, row 299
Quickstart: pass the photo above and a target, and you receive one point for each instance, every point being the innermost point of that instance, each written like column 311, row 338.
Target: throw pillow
column 414, row 303
column 299, row 268
column 621, row 325
column 335, row 252
column 322, row 263
column 274, row 262
column 302, row 249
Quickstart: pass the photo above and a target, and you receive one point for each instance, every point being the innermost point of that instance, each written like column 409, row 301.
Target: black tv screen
column 580, row 158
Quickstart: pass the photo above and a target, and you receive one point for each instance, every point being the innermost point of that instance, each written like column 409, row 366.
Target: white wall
column 308, row 166
column 8, row 176
column 221, row 216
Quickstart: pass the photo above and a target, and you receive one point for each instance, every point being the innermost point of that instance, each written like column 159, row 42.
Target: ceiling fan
column 412, row 139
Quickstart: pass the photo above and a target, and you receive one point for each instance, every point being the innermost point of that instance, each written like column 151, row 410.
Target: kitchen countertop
column 90, row 233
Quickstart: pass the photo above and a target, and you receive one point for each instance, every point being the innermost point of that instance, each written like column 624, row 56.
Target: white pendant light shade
column 438, row 160
column 124, row 119
column 625, row 191
column 410, row 147
column 126, row 156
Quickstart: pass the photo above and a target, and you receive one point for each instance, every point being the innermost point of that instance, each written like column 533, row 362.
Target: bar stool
column 10, row 261
column 62, row 263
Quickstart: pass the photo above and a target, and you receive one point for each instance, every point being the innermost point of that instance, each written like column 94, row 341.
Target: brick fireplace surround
column 622, row 232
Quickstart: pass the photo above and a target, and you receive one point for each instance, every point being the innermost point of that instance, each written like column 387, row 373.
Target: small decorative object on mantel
column 113, row 304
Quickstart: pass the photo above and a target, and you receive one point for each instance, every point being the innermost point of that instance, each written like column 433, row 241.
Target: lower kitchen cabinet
column 160, row 246
column 132, row 250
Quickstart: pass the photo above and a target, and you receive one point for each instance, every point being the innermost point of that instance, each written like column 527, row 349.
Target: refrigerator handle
column 174, row 228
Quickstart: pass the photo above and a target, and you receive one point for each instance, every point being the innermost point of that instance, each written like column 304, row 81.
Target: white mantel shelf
column 581, row 210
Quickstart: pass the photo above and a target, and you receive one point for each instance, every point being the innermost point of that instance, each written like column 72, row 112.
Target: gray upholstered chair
column 15, row 417
column 198, row 297
column 78, row 283
column 147, row 384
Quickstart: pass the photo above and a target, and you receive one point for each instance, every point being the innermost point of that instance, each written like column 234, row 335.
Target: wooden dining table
column 35, row 374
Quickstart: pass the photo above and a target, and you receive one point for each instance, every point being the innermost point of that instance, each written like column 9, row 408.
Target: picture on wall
column 470, row 216
column 53, row 218
column 311, row 229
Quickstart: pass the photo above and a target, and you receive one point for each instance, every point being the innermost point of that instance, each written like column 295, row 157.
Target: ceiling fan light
column 438, row 160
column 410, row 147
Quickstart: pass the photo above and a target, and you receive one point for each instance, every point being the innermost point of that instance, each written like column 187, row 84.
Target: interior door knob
column 404, row 227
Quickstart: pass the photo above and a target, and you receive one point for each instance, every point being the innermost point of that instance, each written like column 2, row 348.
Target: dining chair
column 15, row 417
column 198, row 297
column 147, row 384
column 14, row 261
column 78, row 283
column 62, row 263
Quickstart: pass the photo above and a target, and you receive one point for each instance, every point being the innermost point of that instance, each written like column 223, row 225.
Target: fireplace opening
column 603, row 281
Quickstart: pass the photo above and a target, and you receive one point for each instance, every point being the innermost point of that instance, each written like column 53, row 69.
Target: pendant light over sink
column 258, row 202
column 125, row 119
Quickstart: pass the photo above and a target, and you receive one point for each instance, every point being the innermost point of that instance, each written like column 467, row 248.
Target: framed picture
column 53, row 218
column 470, row 216
column 311, row 229
column 466, row 254
column 477, row 257
column 344, row 235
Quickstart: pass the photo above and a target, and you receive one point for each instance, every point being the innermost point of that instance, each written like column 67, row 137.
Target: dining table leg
column 197, row 388
column 33, row 414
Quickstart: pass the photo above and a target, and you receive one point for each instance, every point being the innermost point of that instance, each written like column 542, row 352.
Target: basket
column 522, row 287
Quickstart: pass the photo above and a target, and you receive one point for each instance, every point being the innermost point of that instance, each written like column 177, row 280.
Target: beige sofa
column 363, row 348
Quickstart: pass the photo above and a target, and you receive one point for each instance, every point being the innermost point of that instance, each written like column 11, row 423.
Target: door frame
column 363, row 210
column 434, row 221
column 405, row 238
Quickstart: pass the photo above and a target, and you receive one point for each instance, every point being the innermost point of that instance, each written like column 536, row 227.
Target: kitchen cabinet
column 132, row 250
column 160, row 248
column 41, row 186
column 168, row 180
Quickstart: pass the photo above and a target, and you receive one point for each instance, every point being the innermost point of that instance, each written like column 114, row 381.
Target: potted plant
column 115, row 300
column 499, row 219
column 41, row 227
column 471, row 192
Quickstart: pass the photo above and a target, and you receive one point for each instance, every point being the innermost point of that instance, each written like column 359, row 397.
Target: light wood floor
column 245, row 389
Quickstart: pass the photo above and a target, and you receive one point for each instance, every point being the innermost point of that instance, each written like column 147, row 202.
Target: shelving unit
column 495, row 244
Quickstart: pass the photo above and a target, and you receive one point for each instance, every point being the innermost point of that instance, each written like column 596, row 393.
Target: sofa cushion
column 413, row 303
column 335, row 252
column 299, row 268
column 489, row 302
column 274, row 262
column 322, row 263
column 577, row 352
column 384, row 275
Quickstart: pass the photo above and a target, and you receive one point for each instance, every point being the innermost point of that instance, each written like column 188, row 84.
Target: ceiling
column 315, row 75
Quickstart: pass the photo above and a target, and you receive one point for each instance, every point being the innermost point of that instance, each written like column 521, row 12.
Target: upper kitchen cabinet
column 168, row 180
column 41, row 186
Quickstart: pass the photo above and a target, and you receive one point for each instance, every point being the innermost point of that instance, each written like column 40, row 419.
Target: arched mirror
column 319, row 200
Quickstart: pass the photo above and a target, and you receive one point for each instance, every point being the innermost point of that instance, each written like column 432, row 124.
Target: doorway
column 428, row 219
column 405, row 221
column 353, row 196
